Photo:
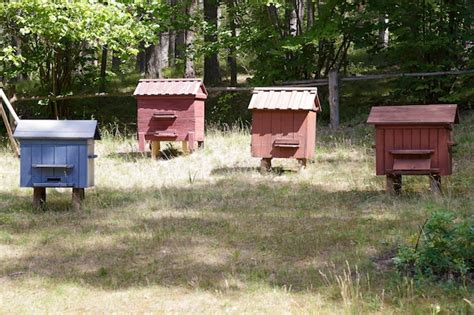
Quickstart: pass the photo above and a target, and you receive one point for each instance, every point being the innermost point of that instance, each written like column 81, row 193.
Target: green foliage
column 56, row 45
column 426, row 36
column 57, row 41
column 228, row 109
column 444, row 249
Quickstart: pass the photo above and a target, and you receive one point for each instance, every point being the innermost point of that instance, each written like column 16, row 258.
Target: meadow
column 207, row 233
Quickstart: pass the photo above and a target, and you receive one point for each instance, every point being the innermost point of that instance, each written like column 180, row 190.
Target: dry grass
column 206, row 233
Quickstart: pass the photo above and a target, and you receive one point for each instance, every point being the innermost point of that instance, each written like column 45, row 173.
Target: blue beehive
column 57, row 153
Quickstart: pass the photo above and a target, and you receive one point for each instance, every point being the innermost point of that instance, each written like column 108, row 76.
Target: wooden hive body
column 414, row 139
column 170, row 110
column 57, row 153
column 284, row 122
column 283, row 134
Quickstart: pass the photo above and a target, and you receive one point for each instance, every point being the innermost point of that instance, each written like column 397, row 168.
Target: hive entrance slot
column 164, row 116
column 286, row 143
column 412, row 161
column 53, row 179
column 163, row 134
column 53, row 166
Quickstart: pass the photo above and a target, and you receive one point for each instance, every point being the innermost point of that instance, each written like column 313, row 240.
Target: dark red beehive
column 170, row 110
column 284, row 123
column 413, row 140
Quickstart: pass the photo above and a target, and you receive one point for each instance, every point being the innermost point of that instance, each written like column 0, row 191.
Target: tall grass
column 207, row 233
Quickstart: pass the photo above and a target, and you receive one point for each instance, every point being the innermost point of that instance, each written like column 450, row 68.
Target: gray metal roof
column 57, row 129
column 171, row 87
column 285, row 98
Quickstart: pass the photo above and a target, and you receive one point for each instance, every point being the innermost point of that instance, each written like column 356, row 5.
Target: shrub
column 444, row 248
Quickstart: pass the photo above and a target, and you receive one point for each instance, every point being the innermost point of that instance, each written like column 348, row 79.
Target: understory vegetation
column 443, row 250
column 207, row 233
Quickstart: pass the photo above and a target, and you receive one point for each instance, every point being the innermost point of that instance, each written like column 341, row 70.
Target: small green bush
column 444, row 249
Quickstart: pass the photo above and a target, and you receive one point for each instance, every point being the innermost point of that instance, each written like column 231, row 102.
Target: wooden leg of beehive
column 302, row 163
column 191, row 140
column 435, row 184
column 394, row 184
column 39, row 197
column 192, row 146
column 155, row 149
column 141, row 142
column 201, row 144
column 185, row 147
column 77, row 196
column 265, row 165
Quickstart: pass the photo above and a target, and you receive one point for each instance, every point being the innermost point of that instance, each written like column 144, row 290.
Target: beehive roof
column 171, row 87
column 280, row 98
column 57, row 129
column 414, row 114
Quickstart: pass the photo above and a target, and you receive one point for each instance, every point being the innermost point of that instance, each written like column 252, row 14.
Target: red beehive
column 284, row 123
column 413, row 140
column 170, row 110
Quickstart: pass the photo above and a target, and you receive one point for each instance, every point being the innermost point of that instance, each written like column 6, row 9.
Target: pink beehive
column 170, row 110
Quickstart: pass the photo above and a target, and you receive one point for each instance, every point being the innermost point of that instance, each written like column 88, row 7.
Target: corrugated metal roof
column 170, row 87
column 285, row 98
column 57, row 129
column 414, row 114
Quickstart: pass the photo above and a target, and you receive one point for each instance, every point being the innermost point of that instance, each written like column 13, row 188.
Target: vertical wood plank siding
column 271, row 125
column 434, row 138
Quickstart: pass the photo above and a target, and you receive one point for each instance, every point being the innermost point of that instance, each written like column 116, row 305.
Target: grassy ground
column 206, row 233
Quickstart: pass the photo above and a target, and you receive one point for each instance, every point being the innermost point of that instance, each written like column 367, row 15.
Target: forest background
column 51, row 48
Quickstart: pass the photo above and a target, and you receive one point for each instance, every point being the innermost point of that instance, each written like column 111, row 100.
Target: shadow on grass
column 166, row 154
column 203, row 236
column 276, row 170
column 129, row 156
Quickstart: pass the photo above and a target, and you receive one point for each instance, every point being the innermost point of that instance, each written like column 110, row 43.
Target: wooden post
column 13, row 143
column 77, row 196
column 141, row 142
column 9, row 106
column 39, row 197
column 302, row 163
column 265, row 165
column 435, row 184
column 185, row 147
column 191, row 141
column 334, row 98
column 155, row 149
column 393, row 184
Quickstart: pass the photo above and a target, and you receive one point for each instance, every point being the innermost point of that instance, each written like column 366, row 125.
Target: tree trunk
column 103, row 68
column 232, row 58
column 299, row 4
column 189, row 71
column 152, row 68
column 189, row 36
column 180, row 44
column 334, row 98
column 172, row 48
column 172, row 37
column 164, row 52
column 310, row 14
column 157, row 57
column 141, row 59
column 275, row 20
column 383, row 32
column 116, row 62
column 212, row 75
